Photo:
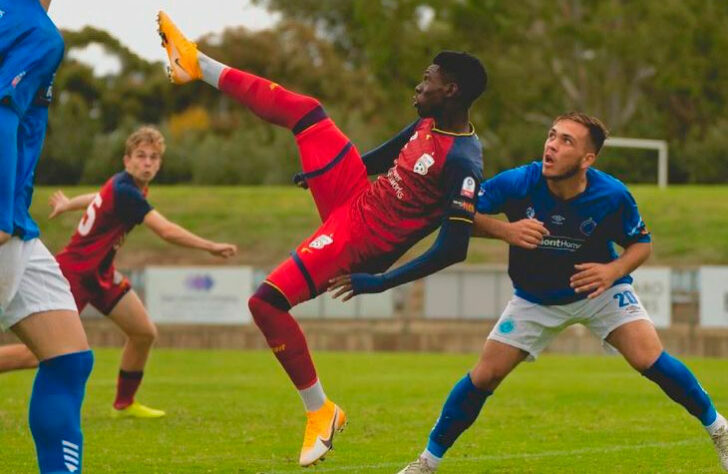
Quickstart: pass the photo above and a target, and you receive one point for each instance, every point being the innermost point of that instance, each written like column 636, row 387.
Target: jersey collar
column 468, row 134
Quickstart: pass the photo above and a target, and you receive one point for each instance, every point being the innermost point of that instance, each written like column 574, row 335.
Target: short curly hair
column 146, row 134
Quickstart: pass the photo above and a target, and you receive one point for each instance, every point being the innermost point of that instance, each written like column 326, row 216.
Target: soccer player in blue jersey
column 563, row 217
column 35, row 298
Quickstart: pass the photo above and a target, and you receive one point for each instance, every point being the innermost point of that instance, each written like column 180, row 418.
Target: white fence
column 219, row 295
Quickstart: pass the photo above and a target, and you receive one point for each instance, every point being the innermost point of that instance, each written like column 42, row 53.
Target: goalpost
column 643, row 143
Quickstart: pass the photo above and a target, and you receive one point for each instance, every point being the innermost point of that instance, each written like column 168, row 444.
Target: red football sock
column 126, row 387
column 266, row 99
column 287, row 341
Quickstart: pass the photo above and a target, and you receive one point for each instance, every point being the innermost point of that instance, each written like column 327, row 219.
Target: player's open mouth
column 547, row 159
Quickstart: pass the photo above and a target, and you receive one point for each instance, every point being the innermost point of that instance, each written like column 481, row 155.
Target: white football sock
column 716, row 425
column 313, row 397
column 432, row 460
column 211, row 69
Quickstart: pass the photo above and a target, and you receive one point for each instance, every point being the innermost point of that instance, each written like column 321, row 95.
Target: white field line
column 502, row 457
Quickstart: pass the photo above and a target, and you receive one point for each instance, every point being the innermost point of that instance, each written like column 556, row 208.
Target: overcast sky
column 133, row 21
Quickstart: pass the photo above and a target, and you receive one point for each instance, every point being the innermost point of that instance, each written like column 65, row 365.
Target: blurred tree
column 649, row 69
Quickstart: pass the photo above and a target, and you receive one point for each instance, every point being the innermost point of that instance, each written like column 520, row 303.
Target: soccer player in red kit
column 428, row 180
column 87, row 261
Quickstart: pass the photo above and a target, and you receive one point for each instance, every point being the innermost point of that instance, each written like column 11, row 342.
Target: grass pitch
column 236, row 412
column 689, row 224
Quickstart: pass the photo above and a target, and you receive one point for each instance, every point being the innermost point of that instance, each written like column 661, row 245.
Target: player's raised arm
column 178, row 235
column 380, row 159
column 526, row 233
column 494, row 197
column 60, row 203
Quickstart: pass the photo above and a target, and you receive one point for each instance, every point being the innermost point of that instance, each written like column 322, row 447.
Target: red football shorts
column 335, row 175
column 102, row 291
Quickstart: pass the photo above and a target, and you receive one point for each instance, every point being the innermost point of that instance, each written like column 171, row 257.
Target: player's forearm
column 490, row 227
column 451, row 247
column 79, row 202
column 632, row 257
column 46, row 4
column 177, row 235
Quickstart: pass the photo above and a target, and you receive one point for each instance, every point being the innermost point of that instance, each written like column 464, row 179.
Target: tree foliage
column 648, row 69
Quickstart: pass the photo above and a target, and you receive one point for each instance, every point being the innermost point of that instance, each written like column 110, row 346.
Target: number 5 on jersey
column 87, row 222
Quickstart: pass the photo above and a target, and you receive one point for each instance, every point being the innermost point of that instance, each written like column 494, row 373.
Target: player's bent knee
column 145, row 338
column 487, row 377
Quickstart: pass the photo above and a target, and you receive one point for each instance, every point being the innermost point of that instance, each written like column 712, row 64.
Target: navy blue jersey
column 582, row 229
column 115, row 210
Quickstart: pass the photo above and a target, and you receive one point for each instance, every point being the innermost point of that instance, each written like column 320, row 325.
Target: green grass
column 236, row 412
column 689, row 224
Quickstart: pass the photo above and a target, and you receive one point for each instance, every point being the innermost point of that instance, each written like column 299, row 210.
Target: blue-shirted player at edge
column 35, row 298
column 563, row 218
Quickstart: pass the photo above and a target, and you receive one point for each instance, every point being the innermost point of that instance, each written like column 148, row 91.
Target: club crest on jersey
column 423, row 164
column 558, row 220
column 468, row 189
column 587, row 227
column 530, row 212
column 321, row 241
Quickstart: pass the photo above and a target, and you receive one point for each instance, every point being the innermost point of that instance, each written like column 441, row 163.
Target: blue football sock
column 55, row 411
column 679, row 383
column 459, row 412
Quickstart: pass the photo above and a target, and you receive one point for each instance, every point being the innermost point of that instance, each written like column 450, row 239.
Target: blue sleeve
column 632, row 227
column 515, row 183
column 130, row 204
column 451, row 245
column 8, row 166
column 380, row 159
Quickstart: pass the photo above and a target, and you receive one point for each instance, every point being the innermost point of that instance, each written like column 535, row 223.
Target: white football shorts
column 531, row 326
column 30, row 282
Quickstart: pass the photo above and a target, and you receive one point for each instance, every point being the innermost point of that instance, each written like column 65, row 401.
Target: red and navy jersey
column 115, row 210
column 434, row 177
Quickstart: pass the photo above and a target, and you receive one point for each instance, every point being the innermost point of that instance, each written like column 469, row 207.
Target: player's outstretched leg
column 269, row 308
column 679, row 383
column 266, row 99
column 131, row 316
column 465, row 401
column 641, row 347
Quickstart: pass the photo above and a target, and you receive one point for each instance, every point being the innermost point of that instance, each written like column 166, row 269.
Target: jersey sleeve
column 130, row 204
column 461, row 183
column 632, row 228
column 380, row 159
column 515, row 183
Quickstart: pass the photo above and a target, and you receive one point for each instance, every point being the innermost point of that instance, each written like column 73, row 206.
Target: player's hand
column 594, row 278
column 356, row 284
column 4, row 237
column 223, row 250
column 526, row 233
column 59, row 203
